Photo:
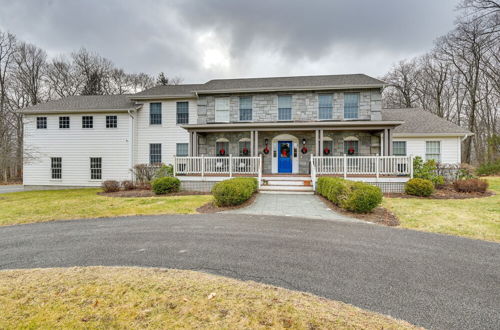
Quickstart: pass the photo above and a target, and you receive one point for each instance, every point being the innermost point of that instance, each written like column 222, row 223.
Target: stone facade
column 304, row 106
column 367, row 142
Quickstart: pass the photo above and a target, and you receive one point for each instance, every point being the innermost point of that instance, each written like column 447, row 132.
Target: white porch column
column 252, row 144
column 321, row 136
column 190, row 148
column 195, row 144
column 385, row 144
column 389, row 142
column 256, row 143
column 316, row 144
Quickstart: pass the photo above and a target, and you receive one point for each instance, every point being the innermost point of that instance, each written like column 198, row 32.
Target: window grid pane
column 155, row 153
column 219, row 146
column 95, row 168
column 111, row 121
column 182, row 149
column 155, row 113
column 41, row 122
column 87, row 122
column 327, row 145
column 246, row 108
column 325, row 106
column 433, row 150
column 351, row 105
column 63, row 122
column 399, row 148
column 56, row 167
column 285, row 107
column 351, row 144
column 222, row 109
column 182, row 113
column 244, row 148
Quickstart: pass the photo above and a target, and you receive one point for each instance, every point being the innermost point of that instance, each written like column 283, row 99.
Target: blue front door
column 285, row 157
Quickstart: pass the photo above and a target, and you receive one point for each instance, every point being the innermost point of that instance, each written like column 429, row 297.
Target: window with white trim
column 95, row 168
column 325, row 106
column 351, row 105
column 182, row 149
column 327, row 148
column 399, row 148
column 41, row 122
column 64, row 122
column 111, row 121
column 244, row 148
column 182, row 112
column 222, row 148
column 245, row 108
column 56, row 168
column 222, row 109
column 155, row 113
column 284, row 107
column 155, row 153
column 351, row 148
column 87, row 122
column 433, row 150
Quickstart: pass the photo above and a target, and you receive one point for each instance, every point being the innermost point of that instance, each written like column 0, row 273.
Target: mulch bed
column 148, row 193
column 212, row 208
column 445, row 192
column 379, row 215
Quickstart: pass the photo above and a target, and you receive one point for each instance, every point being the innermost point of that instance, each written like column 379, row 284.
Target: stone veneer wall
column 304, row 106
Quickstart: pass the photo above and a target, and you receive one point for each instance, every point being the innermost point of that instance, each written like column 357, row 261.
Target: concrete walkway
column 302, row 206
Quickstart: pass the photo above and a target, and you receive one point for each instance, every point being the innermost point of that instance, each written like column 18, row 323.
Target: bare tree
column 402, row 78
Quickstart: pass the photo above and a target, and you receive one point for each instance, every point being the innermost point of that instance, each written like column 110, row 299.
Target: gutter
column 42, row 112
column 286, row 89
column 131, row 142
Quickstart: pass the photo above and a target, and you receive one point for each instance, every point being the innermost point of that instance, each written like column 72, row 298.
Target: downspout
column 131, row 143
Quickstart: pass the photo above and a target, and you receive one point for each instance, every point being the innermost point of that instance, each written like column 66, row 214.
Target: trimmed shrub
column 419, row 187
column 234, row 191
column 353, row 196
column 470, row 185
column 362, row 198
column 165, row 170
column 110, row 186
column 492, row 168
column 427, row 170
column 128, row 185
column 165, row 185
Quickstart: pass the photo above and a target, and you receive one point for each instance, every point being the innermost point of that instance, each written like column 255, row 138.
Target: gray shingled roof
column 169, row 91
column 84, row 103
column 335, row 81
column 420, row 121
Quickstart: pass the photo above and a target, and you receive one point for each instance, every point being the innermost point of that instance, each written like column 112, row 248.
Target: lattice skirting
column 389, row 187
column 205, row 186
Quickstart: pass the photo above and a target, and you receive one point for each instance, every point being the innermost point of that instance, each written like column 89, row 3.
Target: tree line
column 459, row 79
column 28, row 77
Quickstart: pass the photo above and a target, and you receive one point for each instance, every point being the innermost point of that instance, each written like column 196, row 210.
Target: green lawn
column 38, row 206
column 474, row 218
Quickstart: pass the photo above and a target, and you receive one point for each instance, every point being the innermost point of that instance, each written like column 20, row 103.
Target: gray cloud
column 204, row 39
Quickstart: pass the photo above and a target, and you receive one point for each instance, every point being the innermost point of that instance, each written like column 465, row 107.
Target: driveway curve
column 431, row 280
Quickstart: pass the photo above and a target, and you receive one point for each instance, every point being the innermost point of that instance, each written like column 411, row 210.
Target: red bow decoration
column 245, row 151
column 326, row 151
column 266, row 150
column 222, row 152
column 351, row 151
column 304, row 150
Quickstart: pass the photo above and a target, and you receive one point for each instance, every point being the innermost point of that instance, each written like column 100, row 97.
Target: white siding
column 168, row 133
column 450, row 147
column 75, row 146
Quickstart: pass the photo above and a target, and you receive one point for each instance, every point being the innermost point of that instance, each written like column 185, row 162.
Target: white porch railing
column 203, row 165
column 362, row 165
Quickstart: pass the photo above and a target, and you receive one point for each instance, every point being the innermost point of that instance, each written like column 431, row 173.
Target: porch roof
column 271, row 126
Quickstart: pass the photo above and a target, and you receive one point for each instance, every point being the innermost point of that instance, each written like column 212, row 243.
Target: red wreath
column 266, row 150
column 304, row 150
column 222, row 152
column 326, row 151
column 351, row 151
column 245, row 151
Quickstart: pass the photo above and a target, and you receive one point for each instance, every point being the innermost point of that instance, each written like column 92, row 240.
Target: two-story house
column 307, row 126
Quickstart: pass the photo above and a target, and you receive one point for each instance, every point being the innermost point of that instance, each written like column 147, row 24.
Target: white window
column 222, row 109
column 155, row 153
column 285, row 107
column 56, row 168
column 433, row 150
column 41, row 122
column 399, row 148
column 87, row 122
column 182, row 149
column 111, row 121
column 95, row 168
column 351, row 105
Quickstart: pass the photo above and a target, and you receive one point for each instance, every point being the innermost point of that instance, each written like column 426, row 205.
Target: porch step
column 286, row 188
column 286, row 192
column 286, row 178
column 289, row 182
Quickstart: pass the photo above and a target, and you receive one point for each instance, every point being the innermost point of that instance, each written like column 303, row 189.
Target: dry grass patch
column 39, row 206
column 477, row 218
column 119, row 297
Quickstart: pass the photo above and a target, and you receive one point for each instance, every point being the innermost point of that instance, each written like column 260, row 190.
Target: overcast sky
column 200, row 40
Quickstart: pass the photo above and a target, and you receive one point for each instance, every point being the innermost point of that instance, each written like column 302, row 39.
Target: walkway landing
column 302, row 206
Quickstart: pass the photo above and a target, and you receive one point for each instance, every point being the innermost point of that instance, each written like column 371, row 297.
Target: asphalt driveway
column 431, row 280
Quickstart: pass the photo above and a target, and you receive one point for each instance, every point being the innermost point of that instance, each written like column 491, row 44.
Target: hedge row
column 165, row 185
column 234, row 191
column 353, row 196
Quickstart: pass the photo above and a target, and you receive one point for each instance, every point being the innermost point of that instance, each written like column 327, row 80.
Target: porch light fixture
column 304, row 142
column 266, row 141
